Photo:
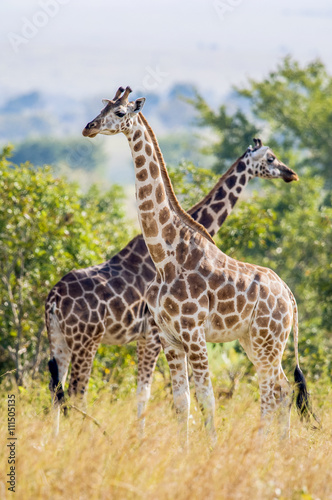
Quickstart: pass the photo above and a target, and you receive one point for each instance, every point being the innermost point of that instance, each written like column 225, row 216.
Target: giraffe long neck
column 214, row 209
column 161, row 216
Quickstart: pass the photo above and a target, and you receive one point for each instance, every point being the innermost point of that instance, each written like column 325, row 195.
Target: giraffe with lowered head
column 107, row 303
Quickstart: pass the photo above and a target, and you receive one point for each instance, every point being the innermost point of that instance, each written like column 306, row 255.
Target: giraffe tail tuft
column 55, row 384
column 303, row 404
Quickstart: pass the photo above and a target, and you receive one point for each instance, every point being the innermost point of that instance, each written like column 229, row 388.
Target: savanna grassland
column 107, row 461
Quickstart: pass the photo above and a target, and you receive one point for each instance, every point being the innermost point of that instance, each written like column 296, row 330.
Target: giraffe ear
column 105, row 101
column 257, row 155
column 138, row 104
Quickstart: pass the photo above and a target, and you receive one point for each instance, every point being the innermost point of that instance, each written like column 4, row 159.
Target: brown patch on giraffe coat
column 216, row 207
column 160, row 193
column 164, row 215
column 282, row 305
column 92, row 300
column 189, row 308
column 138, row 146
column 66, row 305
column 243, row 179
column 139, row 162
column 246, row 311
column 137, row 134
column 187, row 323
column 222, row 218
column 75, row 290
column 197, row 285
column 131, row 295
column 263, row 321
column 220, row 194
column 271, row 301
column 263, row 309
column 154, row 170
column 117, row 307
column 205, row 218
column 240, row 302
column 233, row 199
column 149, row 225
column 231, row 321
column 169, row 272
column 87, row 284
column 231, row 181
column 118, row 284
column 192, row 259
column 203, row 301
column 157, row 252
column 226, row 292
column 181, row 252
column 264, row 292
column 142, row 175
column 241, row 166
column 144, row 191
column 216, row 280
column 186, row 336
column 171, row 307
column 148, row 149
column 152, row 295
column 146, row 205
column 217, row 322
column 226, row 307
column 252, row 292
column 168, row 234
column 179, row 291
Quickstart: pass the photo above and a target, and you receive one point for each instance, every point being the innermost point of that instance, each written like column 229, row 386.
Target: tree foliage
column 47, row 227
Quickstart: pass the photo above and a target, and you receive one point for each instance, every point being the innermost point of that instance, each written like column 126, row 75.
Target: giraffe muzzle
column 287, row 173
column 90, row 130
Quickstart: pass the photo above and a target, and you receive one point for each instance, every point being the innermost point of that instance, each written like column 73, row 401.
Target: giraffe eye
column 119, row 114
column 271, row 159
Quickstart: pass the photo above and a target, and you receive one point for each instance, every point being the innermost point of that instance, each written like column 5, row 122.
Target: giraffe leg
column 81, row 366
column 265, row 351
column 177, row 362
column 147, row 351
column 198, row 358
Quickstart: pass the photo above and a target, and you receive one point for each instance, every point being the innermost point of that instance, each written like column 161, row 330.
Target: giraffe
column 199, row 294
column 107, row 303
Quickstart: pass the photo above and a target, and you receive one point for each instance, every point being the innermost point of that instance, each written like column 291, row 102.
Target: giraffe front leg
column 177, row 362
column 147, row 351
column 198, row 358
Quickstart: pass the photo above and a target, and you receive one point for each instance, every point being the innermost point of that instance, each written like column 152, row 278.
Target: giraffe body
column 107, row 303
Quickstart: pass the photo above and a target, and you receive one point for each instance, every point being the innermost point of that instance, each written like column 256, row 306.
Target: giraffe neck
column 213, row 210
column 160, row 215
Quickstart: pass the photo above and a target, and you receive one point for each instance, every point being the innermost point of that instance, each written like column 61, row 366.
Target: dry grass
column 83, row 463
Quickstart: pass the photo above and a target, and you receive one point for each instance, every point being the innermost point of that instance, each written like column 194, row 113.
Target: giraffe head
column 117, row 115
column 265, row 163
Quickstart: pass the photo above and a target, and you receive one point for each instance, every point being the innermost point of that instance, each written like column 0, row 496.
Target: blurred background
column 215, row 74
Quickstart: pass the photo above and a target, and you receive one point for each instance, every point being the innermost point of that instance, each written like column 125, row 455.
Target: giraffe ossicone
column 107, row 303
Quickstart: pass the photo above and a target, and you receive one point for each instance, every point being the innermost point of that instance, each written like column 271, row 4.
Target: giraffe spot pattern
column 142, row 175
column 140, row 161
column 138, row 146
column 144, row 191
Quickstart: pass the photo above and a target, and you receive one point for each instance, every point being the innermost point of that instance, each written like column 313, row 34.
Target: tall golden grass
column 84, row 463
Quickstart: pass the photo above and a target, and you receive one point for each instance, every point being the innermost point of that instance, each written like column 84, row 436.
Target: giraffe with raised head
column 107, row 303
column 199, row 294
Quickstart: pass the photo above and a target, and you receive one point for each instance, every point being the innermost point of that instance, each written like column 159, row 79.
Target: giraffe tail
column 303, row 403
column 55, row 384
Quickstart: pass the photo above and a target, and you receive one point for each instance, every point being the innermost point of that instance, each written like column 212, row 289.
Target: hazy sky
column 86, row 48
